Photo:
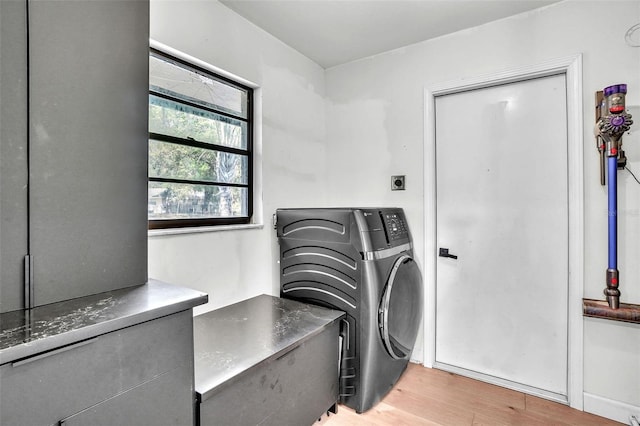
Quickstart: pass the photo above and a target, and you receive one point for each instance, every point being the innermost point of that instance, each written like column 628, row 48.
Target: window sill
column 200, row 229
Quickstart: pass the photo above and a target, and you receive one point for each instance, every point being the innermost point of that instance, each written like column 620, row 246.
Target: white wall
column 336, row 137
column 377, row 103
column 238, row 264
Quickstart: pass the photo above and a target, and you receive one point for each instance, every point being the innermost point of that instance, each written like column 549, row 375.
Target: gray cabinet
column 266, row 361
column 85, row 132
column 100, row 343
column 13, row 152
column 69, row 379
column 129, row 376
column 294, row 388
column 162, row 401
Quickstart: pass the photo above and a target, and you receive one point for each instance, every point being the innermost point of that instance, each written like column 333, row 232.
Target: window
column 200, row 146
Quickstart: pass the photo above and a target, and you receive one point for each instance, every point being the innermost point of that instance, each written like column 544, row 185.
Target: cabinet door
column 294, row 389
column 13, row 152
column 88, row 100
column 73, row 378
column 166, row 400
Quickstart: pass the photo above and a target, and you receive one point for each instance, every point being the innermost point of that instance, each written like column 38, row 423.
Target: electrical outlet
column 397, row 183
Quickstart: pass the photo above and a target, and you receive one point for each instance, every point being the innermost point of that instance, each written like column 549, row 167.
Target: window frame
column 160, row 224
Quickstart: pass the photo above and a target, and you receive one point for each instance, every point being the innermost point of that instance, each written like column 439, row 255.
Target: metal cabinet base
column 266, row 361
column 165, row 400
column 107, row 379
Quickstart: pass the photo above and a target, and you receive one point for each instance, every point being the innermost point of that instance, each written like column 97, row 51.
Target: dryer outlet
column 397, row 183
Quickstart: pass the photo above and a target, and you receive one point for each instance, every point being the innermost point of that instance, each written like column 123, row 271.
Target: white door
column 502, row 209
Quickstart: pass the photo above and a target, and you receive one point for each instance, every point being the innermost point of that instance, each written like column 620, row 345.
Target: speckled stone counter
column 25, row 333
column 266, row 360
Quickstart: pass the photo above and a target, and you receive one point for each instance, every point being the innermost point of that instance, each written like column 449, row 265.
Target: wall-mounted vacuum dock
column 612, row 121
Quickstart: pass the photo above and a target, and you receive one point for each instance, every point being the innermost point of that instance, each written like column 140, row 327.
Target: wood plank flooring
column 425, row 396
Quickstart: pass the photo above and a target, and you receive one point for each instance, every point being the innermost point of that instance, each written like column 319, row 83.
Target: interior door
column 502, row 213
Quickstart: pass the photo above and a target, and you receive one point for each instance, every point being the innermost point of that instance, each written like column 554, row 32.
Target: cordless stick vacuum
column 611, row 124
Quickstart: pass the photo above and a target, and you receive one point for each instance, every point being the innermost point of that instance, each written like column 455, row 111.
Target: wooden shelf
column 600, row 309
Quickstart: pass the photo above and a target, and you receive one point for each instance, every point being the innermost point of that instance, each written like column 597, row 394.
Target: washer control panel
column 384, row 228
column 395, row 225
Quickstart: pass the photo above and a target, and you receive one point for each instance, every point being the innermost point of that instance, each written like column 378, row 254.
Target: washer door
column 401, row 308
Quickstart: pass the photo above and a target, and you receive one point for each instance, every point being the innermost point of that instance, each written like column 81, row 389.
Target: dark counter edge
column 179, row 299
column 204, row 394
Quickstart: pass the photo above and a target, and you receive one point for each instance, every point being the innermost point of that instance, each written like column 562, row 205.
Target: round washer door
column 401, row 308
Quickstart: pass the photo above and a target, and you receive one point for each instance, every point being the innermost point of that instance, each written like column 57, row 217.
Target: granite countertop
column 235, row 338
column 25, row 333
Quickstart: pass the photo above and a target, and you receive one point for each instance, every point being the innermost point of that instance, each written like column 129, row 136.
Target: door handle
column 444, row 252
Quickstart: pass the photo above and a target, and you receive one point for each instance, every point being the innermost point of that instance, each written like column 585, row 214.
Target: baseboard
column 609, row 408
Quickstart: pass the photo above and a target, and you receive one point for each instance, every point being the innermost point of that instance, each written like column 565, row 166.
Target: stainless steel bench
column 267, row 361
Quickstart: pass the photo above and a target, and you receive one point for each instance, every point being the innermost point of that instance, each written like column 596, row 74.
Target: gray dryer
column 360, row 261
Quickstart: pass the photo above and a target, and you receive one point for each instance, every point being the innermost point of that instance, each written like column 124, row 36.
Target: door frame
column 571, row 68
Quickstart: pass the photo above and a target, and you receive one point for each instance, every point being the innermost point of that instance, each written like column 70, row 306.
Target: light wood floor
column 425, row 396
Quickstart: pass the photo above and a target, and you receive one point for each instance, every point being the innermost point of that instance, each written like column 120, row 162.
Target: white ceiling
column 333, row 32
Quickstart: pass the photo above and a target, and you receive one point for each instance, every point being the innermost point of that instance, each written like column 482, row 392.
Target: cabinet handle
column 288, row 352
column 53, row 352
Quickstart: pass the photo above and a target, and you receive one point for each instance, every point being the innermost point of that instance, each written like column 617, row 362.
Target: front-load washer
column 360, row 261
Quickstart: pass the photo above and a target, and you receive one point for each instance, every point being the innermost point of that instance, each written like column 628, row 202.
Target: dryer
column 360, row 261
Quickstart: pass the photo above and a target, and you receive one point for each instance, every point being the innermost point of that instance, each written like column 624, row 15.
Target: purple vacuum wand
column 612, row 124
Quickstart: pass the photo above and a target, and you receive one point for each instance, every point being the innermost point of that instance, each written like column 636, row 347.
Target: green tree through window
column 200, row 139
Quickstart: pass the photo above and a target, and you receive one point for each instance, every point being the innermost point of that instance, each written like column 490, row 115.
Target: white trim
column 258, row 202
column 559, row 398
column 551, row 67
column 575, row 126
column 199, row 62
column 200, row 229
column 614, row 410
column 430, row 226
column 571, row 67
